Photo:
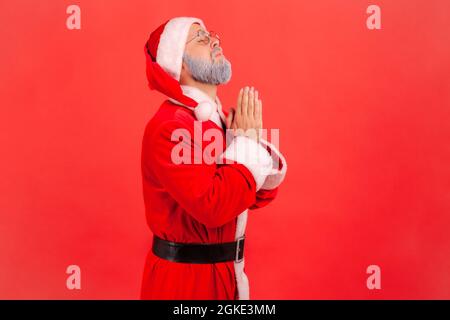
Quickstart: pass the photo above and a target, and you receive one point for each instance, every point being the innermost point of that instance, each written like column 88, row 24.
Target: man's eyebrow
column 199, row 29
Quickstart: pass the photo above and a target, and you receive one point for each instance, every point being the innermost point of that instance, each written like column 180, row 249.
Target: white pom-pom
column 204, row 110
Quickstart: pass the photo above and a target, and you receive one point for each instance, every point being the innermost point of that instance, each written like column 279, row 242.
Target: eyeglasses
column 205, row 37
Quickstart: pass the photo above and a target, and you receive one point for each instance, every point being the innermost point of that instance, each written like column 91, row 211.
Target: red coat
column 200, row 203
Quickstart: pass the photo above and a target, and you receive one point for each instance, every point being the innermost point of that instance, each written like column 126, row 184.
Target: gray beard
column 209, row 72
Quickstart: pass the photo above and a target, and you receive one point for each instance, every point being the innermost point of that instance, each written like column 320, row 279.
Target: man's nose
column 214, row 43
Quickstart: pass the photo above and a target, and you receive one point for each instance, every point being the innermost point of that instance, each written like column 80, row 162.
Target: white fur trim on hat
column 207, row 109
column 172, row 42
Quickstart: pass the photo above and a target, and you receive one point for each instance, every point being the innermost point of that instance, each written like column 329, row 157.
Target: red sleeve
column 264, row 197
column 212, row 194
column 270, row 186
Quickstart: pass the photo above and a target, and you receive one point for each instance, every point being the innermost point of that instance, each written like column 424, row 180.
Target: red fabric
column 158, row 79
column 153, row 40
column 191, row 203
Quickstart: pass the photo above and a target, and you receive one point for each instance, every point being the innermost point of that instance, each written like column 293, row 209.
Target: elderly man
column 198, row 209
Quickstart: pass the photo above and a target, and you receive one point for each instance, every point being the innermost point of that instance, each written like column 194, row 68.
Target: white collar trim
column 207, row 109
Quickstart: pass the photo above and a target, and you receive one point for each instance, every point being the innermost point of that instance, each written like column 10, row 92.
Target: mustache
column 215, row 50
column 203, row 70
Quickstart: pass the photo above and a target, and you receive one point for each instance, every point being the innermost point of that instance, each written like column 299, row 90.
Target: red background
column 364, row 119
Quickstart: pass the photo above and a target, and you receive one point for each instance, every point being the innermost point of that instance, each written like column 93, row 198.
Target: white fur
column 242, row 283
column 172, row 42
column 204, row 110
column 252, row 155
column 277, row 176
column 207, row 109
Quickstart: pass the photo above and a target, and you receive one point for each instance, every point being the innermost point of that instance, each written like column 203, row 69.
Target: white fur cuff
column 277, row 175
column 252, row 155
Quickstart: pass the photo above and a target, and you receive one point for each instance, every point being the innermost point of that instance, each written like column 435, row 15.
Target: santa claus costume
column 205, row 203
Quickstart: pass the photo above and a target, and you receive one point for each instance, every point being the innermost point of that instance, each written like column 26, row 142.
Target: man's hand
column 247, row 118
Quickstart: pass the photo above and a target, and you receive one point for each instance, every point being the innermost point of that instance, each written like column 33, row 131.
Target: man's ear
column 184, row 73
column 185, row 68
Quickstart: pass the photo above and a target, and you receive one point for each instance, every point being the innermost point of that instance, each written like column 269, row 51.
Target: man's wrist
column 251, row 133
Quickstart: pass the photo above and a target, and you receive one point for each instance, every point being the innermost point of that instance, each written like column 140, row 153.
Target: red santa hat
column 164, row 57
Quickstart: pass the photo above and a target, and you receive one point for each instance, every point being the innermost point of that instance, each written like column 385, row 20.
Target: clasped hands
column 246, row 119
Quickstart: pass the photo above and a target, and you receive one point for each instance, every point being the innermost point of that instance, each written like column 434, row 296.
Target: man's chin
column 215, row 83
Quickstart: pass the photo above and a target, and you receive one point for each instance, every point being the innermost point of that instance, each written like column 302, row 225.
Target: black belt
column 199, row 252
